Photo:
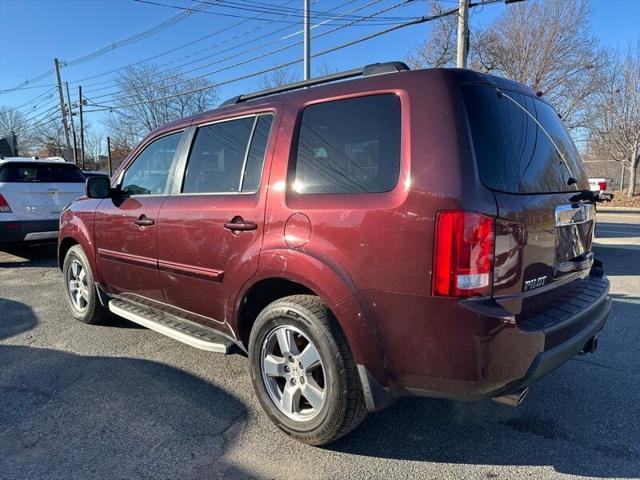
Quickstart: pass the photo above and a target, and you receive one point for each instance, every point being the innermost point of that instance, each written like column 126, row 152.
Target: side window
column 149, row 172
column 255, row 158
column 217, row 157
column 349, row 146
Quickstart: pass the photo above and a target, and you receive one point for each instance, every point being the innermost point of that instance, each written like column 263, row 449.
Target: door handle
column 143, row 221
column 238, row 224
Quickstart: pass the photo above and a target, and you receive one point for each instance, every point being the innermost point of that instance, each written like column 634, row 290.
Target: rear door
column 526, row 156
column 210, row 231
column 39, row 191
column 126, row 229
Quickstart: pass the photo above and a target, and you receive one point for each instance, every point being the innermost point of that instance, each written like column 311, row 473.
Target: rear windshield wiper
column 593, row 196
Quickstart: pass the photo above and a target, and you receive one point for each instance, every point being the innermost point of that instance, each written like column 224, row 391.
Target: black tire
column 94, row 311
column 344, row 407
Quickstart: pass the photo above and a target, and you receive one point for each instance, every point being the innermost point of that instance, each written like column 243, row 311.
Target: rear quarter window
column 348, row 146
column 43, row 173
column 521, row 145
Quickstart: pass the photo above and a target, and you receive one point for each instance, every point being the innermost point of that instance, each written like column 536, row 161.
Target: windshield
column 521, row 145
column 44, row 172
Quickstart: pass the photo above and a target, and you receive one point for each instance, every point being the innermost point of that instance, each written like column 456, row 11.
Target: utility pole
column 73, row 125
column 307, row 39
column 80, row 103
column 56, row 63
column 109, row 155
column 463, row 33
column 14, row 144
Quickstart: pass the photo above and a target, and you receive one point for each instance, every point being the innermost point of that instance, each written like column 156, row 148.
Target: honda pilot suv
column 403, row 233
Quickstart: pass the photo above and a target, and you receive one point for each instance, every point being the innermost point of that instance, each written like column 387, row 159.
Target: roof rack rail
column 366, row 71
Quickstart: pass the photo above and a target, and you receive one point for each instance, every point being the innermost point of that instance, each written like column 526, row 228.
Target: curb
column 619, row 210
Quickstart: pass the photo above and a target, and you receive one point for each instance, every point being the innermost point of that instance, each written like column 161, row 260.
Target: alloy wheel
column 293, row 373
column 77, row 285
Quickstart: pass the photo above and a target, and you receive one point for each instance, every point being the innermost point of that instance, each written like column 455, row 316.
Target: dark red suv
column 405, row 233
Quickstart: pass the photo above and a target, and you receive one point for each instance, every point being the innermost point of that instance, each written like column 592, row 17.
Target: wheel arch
column 74, row 235
column 63, row 247
column 289, row 272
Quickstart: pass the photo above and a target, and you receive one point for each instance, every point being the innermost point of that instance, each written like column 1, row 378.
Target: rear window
column 45, row 173
column 349, row 146
column 521, row 144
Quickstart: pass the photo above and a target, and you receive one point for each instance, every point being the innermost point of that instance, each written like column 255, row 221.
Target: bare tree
column 50, row 139
column 615, row 126
column 277, row 78
column 95, row 149
column 547, row 45
column 323, row 68
column 13, row 121
column 285, row 76
column 439, row 49
column 150, row 99
column 550, row 47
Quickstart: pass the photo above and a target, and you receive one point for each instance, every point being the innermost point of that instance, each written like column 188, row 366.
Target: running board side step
column 184, row 331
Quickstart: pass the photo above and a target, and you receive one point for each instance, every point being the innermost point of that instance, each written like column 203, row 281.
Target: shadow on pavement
column 620, row 259
column 616, row 230
column 579, row 420
column 30, row 256
column 69, row 416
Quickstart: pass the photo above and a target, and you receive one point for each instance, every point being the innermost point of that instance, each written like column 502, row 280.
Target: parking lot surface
column 119, row 401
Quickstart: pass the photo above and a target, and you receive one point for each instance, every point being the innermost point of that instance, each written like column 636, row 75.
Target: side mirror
column 98, row 187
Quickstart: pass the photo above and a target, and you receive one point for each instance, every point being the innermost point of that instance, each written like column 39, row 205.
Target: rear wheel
column 82, row 296
column 303, row 372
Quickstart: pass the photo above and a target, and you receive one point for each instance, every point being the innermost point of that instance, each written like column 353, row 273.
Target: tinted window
column 217, row 157
column 149, row 172
column 255, row 158
column 520, row 143
column 46, row 172
column 349, row 146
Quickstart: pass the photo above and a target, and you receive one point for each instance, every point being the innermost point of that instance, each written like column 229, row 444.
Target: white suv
column 32, row 195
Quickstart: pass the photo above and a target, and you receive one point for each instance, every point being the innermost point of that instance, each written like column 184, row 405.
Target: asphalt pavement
column 116, row 401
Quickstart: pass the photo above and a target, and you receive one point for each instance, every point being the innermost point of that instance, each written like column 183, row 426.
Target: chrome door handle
column 143, row 221
column 240, row 226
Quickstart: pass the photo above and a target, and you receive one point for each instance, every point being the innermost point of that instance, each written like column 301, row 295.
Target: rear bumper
column 549, row 360
column 469, row 350
column 19, row 231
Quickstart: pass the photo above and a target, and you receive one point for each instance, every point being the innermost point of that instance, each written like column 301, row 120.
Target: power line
column 289, row 63
column 229, row 39
column 45, row 108
column 166, row 23
column 33, row 100
column 295, row 22
column 133, row 38
column 273, row 9
column 237, row 54
column 257, row 57
column 47, row 117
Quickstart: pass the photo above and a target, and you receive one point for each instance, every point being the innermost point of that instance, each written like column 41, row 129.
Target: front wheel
column 303, row 372
column 82, row 297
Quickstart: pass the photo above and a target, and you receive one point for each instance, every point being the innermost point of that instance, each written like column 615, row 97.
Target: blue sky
column 33, row 32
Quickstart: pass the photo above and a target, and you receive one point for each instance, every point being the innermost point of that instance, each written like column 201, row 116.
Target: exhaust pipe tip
column 591, row 346
column 513, row 399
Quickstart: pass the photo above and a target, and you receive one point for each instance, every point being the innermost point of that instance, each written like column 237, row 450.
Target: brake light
column 463, row 254
column 4, row 206
column 602, row 185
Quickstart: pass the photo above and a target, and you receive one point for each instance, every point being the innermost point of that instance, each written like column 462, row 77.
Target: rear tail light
column 463, row 254
column 4, row 206
column 602, row 185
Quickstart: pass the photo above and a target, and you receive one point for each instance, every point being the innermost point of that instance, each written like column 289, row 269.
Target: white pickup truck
column 596, row 184
column 32, row 195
